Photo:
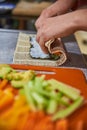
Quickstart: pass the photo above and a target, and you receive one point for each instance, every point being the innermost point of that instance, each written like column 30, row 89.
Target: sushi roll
column 36, row 51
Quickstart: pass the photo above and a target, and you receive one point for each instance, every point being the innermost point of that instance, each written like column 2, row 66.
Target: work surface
column 8, row 41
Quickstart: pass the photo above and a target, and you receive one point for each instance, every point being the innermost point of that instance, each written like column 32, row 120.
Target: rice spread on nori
column 37, row 53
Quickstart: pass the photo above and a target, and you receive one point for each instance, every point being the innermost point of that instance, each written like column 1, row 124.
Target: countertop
column 8, row 41
column 81, row 37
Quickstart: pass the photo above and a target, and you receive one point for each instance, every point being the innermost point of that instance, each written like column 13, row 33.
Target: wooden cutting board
column 81, row 37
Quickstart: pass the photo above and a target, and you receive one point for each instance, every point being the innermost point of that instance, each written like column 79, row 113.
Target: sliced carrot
column 43, row 124
column 1, row 94
column 15, row 91
column 31, row 122
column 12, row 110
column 22, row 121
column 8, row 90
column 62, row 124
column 5, row 115
column 79, row 125
column 4, row 125
column 40, row 115
column 12, row 123
column 21, row 112
column 19, row 102
column 17, row 119
column 6, row 100
column 3, row 83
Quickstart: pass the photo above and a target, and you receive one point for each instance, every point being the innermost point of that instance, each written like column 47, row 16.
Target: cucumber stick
column 29, row 98
column 39, row 98
column 52, row 106
column 72, row 93
column 66, row 112
column 40, row 101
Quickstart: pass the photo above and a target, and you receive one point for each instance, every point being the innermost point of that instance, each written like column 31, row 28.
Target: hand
column 61, row 26
column 56, row 27
column 58, row 8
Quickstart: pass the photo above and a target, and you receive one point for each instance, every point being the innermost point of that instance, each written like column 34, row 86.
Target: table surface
column 8, row 41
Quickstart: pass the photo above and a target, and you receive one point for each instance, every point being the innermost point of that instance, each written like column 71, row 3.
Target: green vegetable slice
column 52, row 106
column 65, row 89
column 66, row 112
column 29, row 98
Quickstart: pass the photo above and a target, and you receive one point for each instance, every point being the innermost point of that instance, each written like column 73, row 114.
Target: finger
column 37, row 37
column 42, row 45
column 41, row 40
column 38, row 23
column 37, row 26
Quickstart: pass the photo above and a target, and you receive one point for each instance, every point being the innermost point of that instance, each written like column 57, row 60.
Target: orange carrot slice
column 79, row 125
column 31, row 122
column 3, row 83
column 22, row 121
column 62, row 124
column 6, row 100
column 43, row 124
column 1, row 94
column 18, row 103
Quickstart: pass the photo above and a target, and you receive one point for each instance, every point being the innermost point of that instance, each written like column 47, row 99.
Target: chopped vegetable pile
column 54, row 99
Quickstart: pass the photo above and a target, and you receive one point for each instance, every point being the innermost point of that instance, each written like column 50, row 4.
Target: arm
column 82, row 19
column 59, row 7
column 61, row 26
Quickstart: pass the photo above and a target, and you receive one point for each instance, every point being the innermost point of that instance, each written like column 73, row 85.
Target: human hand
column 57, row 8
column 56, row 27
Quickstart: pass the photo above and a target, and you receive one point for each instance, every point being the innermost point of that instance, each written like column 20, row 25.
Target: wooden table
column 8, row 40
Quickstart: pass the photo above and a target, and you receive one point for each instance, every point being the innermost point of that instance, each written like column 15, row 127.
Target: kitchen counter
column 8, row 41
column 81, row 37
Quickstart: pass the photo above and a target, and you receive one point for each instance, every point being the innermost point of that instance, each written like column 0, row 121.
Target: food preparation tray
column 73, row 77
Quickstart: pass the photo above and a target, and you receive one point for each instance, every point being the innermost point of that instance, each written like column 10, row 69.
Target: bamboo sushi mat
column 22, row 56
